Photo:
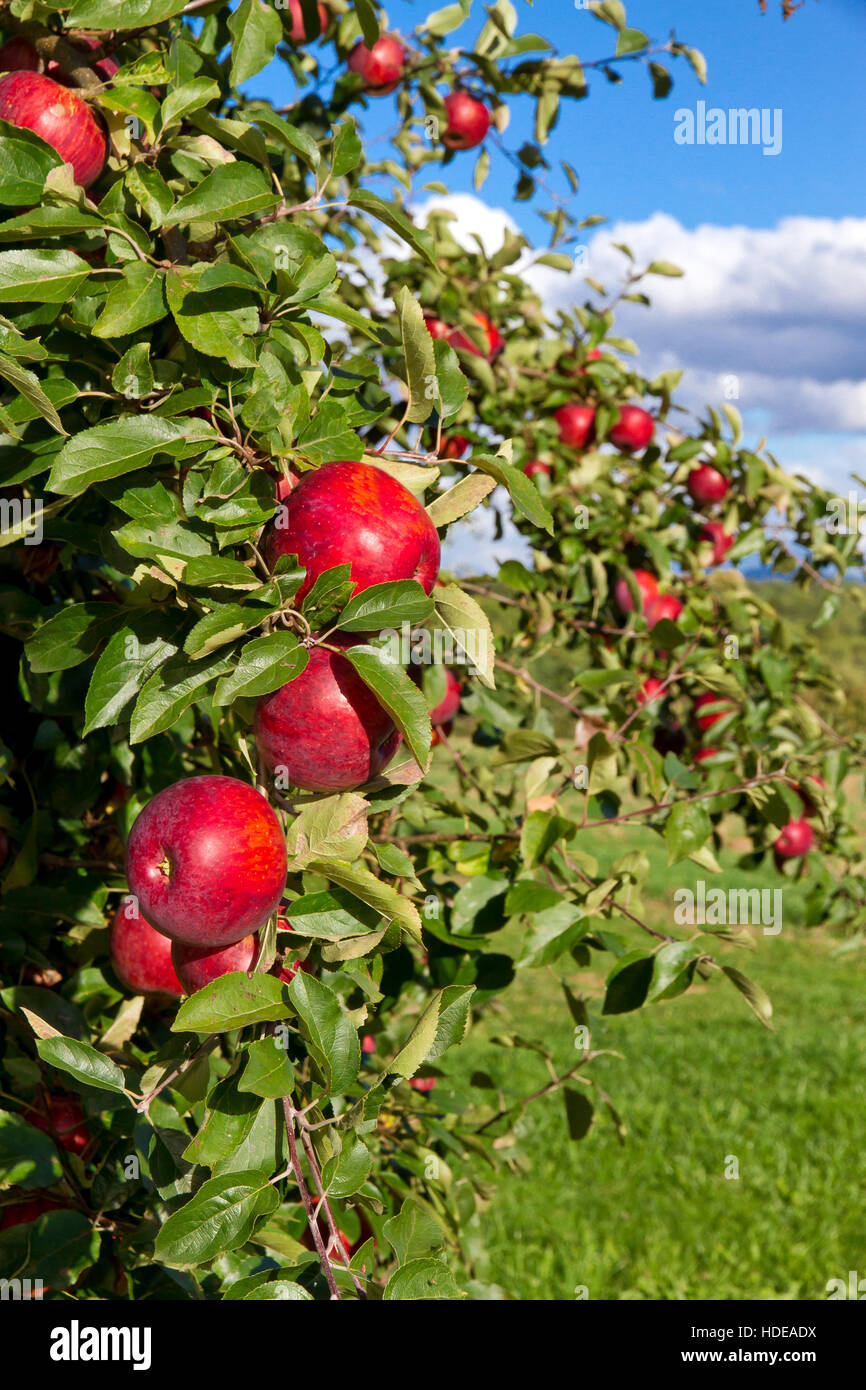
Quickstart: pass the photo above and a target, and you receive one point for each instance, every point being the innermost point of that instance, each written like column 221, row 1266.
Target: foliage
column 232, row 300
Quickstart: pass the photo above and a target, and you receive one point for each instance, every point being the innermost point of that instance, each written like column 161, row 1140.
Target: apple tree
column 228, row 1066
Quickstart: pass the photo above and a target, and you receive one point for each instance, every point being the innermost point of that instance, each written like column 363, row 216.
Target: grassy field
column 701, row 1082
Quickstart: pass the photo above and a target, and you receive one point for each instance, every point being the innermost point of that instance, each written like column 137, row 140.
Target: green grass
column 700, row 1080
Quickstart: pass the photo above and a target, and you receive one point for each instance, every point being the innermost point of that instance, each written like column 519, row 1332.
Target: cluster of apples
column 381, row 67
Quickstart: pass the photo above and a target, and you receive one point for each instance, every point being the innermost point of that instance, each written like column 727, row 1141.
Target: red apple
column 140, row 955
column 537, row 466
column 436, row 328
column 368, row 1044
column 704, row 753
column 662, row 606
column 669, row 737
column 706, row 721
column 450, row 702
column 495, row 342
column 326, row 728
column 633, row 430
column 576, row 424
column 720, row 539
column 707, row 484
column 649, row 691
column 58, row 116
column 18, row 55
column 648, row 587
column 795, row 841
column 354, row 513
column 468, row 121
column 298, row 30
column 592, row 356
column 380, row 66
column 19, row 1213
column 422, row 1083
column 196, row 966
column 207, row 860
column 454, row 447
column 62, row 1118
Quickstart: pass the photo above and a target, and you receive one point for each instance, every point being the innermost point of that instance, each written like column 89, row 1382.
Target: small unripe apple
column 796, row 839
column 537, row 466
column 468, row 121
column 495, row 342
column 197, row 966
column 141, row 956
column 18, row 56
column 706, row 721
column 325, row 728
column 356, row 514
column 58, row 116
column 298, row 29
column 633, row 430
column 454, row 447
column 706, row 484
column 62, row 1117
column 576, row 424
column 720, row 539
column 448, row 706
column 648, row 587
column 662, row 606
column 649, row 690
column 381, row 66
column 206, row 860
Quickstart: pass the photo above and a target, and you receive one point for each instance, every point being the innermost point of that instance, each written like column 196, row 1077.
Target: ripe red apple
column 196, row 966
column 141, row 956
column 795, row 841
column 422, row 1083
column 649, row 691
column 19, row 1213
column 706, row 721
column 326, row 728
column 633, row 430
column 354, row 513
column 18, row 55
column 495, row 342
column 207, row 860
column 576, row 424
column 62, row 1118
column 450, row 702
column 436, row 328
column 380, row 66
column 58, row 116
column 298, row 30
column 706, row 484
column 662, row 606
column 106, row 68
column 592, row 356
column 368, row 1044
column 648, row 587
column 720, row 539
column 468, row 121
column 454, row 447
column 537, row 466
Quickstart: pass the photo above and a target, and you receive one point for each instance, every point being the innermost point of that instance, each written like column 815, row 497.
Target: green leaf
column 578, row 1112
column 363, row 884
column 25, row 163
column 628, row 983
column 192, row 96
column 225, row 624
column 420, row 361
column 134, row 301
column 442, row 1022
column 397, row 692
column 256, row 30
column 28, row 1158
column 523, row 492
column 279, row 1290
column 386, row 605
column 414, row 1232
column 82, row 1061
column 460, row 499
column 116, row 447
column 217, row 324
column 348, row 1170
column 28, row 385
column 233, row 1001
column 220, row 1217
column 687, row 828
column 72, row 635
column 130, row 657
column 469, row 628
column 329, row 1029
column 32, row 275
column 330, row 916
column 421, row 241
column 421, row 1280
column 266, row 664
column 663, row 268
column 268, row 1072
column 229, row 192
column 171, row 689
column 757, row 1000
column 334, row 828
